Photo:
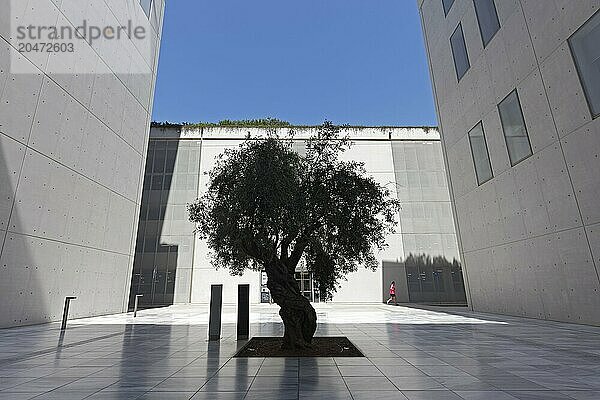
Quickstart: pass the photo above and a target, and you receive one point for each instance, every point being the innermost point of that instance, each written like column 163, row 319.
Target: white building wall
column 380, row 150
column 204, row 274
column 530, row 240
column 365, row 285
column 72, row 151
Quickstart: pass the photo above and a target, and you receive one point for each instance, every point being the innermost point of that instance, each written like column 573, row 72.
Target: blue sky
column 360, row 62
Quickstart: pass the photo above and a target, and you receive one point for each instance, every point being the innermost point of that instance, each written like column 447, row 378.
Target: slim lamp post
column 66, row 312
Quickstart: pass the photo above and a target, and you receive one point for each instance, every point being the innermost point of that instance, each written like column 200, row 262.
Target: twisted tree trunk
column 298, row 315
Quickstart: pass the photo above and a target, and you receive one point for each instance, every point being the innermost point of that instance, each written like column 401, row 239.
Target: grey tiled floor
column 411, row 354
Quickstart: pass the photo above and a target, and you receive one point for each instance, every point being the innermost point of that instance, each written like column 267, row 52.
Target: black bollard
column 243, row 316
column 216, row 304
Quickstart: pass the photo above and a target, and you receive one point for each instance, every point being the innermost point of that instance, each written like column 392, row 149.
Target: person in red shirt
column 392, row 294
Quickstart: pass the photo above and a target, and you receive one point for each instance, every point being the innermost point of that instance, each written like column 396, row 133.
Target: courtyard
column 410, row 353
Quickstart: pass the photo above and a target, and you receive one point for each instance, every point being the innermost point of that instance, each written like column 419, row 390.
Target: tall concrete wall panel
column 529, row 236
column 73, row 141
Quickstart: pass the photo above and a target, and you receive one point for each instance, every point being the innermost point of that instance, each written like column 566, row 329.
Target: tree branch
column 297, row 253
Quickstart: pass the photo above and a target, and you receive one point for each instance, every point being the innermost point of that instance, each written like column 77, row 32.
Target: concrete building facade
column 173, row 266
column 74, row 128
column 517, row 88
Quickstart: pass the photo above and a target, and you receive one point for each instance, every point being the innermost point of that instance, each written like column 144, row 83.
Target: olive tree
column 267, row 207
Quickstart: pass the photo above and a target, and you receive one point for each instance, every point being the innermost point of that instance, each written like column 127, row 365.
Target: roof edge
column 156, row 124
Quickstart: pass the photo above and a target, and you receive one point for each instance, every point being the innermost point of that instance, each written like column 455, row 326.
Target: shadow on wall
column 23, row 299
column 422, row 278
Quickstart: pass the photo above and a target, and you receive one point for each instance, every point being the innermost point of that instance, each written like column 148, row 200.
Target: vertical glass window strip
column 159, row 161
column 515, row 131
column 459, row 52
column 447, row 5
column 487, row 18
column 481, row 156
column 586, row 52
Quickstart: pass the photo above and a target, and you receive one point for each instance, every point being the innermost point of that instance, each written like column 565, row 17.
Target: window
column 487, row 17
column 459, row 52
column 157, row 182
column 447, row 5
column 146, row 6
column 481, row 156
column 586, row 52
column 515, row 131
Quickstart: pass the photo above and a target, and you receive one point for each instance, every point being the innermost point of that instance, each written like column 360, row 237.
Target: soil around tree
column 330, row 346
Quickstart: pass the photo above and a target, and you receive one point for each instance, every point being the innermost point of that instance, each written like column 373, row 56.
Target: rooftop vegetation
column 264, row 123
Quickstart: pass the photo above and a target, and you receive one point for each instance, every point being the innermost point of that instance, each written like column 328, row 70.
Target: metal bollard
column 243, row 316
column 135, row 306
column 214, row 319
column 66, row 312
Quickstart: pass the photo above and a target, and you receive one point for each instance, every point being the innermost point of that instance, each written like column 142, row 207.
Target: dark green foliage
column 268, row 204
column 246, row 123
column 269, row 123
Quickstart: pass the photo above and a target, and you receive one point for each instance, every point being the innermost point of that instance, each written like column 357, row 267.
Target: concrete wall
column 394, row 271
column 72, row 151
column 530, row 237
column 407, row 160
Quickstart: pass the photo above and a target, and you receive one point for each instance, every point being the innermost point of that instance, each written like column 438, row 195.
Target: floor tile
column 538, row 395
column 219, row 396
column 401, row 370
column 340, row 394
column 441, row 370
column 275, row 383
column 66, row 395
column 166, row 396
column 322, row 383
column 180, row 384
column 430, row 395
column 123, row 395
column 227, row 384
column 359, row 370
column 320, row 370
column 373, row 383
column 163, row 353
column 485, row 395
column 274, row 394
column 352, row 361
column 416, row 383
column 583, row 395
column 387, row 395
column 17, row 396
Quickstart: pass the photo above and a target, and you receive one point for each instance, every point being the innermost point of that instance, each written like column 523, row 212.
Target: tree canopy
column 268, row 204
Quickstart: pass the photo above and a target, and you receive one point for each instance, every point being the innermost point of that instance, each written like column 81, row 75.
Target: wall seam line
column 583, row 226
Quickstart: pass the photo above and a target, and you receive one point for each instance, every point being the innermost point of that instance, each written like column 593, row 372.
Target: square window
column 459, row 52
column 586, row 52
column 487, row 18
column 146, row 6
column 515, row 131
column 481, row 156
column 157, row 182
